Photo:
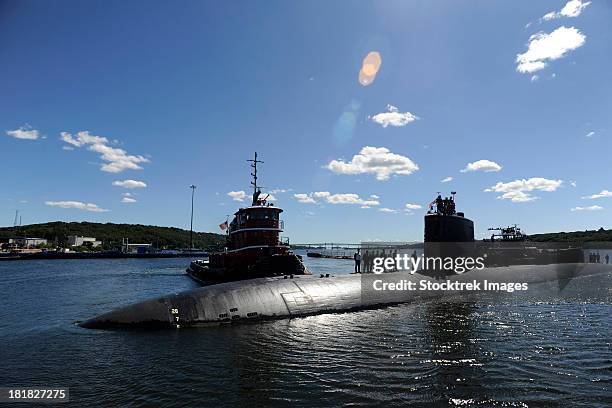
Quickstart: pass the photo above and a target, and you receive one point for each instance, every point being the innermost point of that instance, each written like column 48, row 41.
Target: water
column 502, row 353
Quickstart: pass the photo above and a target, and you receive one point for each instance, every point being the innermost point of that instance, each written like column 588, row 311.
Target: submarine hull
column 283, row 297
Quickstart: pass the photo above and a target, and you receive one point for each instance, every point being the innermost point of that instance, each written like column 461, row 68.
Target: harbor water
column 506, row 353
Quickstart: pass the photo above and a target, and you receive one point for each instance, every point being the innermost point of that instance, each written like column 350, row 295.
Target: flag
column 223, row 226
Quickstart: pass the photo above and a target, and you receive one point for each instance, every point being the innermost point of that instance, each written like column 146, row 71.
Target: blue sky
column 184, row 95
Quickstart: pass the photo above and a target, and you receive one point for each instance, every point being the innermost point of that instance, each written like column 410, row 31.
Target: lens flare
column 369, row 68
column 345, row 125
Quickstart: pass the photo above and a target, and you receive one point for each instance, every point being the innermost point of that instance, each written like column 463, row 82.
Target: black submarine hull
column 283, row 297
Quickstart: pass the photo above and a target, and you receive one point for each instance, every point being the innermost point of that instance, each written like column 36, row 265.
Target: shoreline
column 91, row 255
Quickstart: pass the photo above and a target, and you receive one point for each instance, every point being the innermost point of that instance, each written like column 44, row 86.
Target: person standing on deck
column 357, row 258
column 607, row 259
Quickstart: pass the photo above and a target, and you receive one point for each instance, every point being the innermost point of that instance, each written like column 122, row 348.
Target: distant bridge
column 328, row 245
column 342, row 245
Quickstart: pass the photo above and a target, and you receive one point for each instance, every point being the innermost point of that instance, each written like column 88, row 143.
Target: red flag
column 223, row 226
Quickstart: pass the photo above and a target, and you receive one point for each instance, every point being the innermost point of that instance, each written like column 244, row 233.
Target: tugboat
column 511, row 246
column 509, row 234
column 253, row 246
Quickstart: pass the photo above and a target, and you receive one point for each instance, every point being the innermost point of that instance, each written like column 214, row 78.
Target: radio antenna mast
column 254, row 173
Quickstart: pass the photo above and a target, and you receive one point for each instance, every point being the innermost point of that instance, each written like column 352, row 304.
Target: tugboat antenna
column 254, row 173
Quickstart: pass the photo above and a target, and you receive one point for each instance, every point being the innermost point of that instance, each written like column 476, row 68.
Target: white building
column 136, row 248
column 26, row 242
column 75, row 240
column 30, row 242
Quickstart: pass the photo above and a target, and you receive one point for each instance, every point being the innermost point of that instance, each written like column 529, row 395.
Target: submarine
column 290, row 295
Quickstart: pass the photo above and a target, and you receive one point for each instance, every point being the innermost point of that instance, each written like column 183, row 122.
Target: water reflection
column 457, row 361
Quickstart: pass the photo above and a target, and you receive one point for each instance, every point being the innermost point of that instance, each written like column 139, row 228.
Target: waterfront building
column 75, row 240
column 22, row 242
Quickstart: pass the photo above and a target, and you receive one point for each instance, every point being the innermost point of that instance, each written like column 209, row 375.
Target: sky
column 361, row 110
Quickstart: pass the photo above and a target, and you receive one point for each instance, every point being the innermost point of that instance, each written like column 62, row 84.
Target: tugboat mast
column 256, row 191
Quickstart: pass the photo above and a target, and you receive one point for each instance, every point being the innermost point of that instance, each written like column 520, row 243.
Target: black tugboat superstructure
column 285, row 295
column 253, row 246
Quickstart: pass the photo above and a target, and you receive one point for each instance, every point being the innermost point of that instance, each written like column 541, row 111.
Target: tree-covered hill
column 600, row 235
column 112, row 234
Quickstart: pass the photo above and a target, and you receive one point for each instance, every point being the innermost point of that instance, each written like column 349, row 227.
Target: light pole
column 192, row 187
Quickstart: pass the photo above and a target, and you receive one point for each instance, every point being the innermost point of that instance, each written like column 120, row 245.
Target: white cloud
column 517, row 197
column 573, row 8
column 350, row 198
column 82, row 139
column 545, row 47
column 128, row 200
column 530, row 66
column 393, row 117
column 129, row 183
column 602, row 194
column 25, row 132
column 237, row 195
column 590, row 134
column 518, row 190
column 482, row 165
column 345, row 198
column 387, row 210
column 374, row 196
column 534, row 78
column 409, row 208
column 376, row 160
column 304, row 198
column 76, row 205
column 446, row 179
column 67, row 148
column 589, row 208
column 280, row 190
column 117, row 159
column 573, row 183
